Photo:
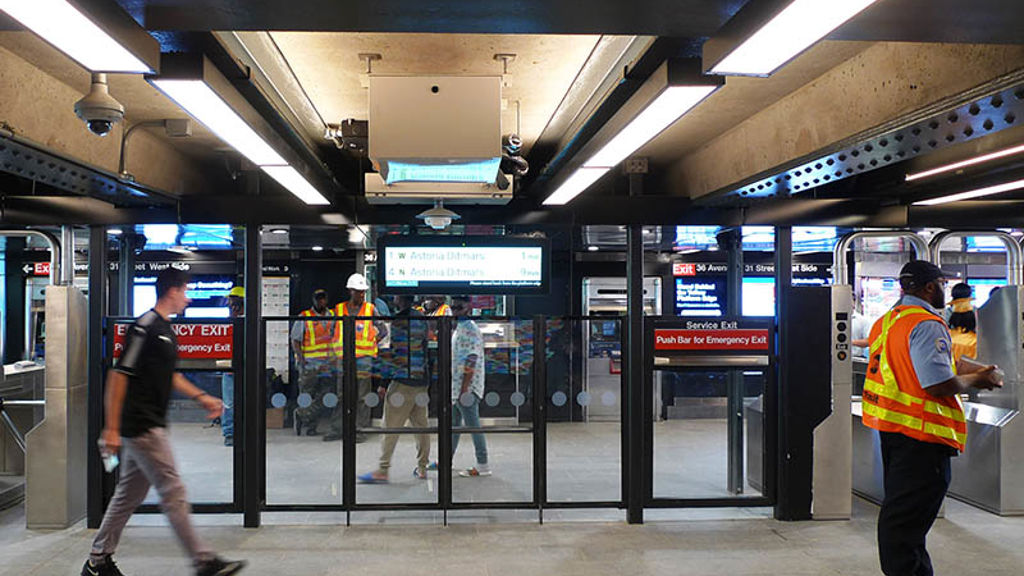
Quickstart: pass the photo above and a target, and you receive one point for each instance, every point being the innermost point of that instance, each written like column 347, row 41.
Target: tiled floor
column 697, row 542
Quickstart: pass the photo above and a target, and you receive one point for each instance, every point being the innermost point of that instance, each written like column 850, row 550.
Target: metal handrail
column 1013, row 250
column 19, row 438
column 839, row 268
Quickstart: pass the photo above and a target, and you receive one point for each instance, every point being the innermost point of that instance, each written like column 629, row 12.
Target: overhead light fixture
column 593, row 248
column 773, row 37
column 193, row 83
column 203, row 104
column 577, row 183
column 438, row 217
column 294, row 182
column 675, row 88
column 100, row 36
column 668, row 107
column 317, row 248
column 987, row 191
column 114, row 231
column 279, row 231
column 966, row 163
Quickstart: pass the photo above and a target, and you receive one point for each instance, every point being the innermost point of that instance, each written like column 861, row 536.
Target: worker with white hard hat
column 368, row 335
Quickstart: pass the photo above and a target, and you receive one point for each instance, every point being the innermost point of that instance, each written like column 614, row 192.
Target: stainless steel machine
column 816, row 397
column 990, row 472
column 602, row 342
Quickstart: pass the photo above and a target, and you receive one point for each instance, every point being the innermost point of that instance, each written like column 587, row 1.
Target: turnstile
column 815, row 444
column 990, row 472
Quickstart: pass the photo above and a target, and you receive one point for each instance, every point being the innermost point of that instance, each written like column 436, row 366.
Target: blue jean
column 227, row 396
column 470, row 416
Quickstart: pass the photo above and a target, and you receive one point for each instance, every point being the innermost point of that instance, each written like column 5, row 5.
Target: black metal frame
column 107, row 481
column 768, row 496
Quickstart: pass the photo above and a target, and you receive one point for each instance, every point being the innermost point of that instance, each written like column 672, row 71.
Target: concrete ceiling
column 328, row 67
column 142, row 102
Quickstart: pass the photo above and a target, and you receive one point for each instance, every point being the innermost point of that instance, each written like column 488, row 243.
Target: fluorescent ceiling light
column 668, row 107
column 114, row 231
column 317, row 248
column 73, row 33
column 203, row 104
column 998, row 189
column 577, row 183
column 964, row 164
column 291, row 179
column 789, row 33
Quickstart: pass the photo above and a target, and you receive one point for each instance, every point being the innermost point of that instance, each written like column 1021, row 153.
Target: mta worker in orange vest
column 314, row 343
column 368, row 335
column 911, row 396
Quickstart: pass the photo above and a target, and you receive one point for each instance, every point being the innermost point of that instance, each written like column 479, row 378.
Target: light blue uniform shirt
column 930, row 346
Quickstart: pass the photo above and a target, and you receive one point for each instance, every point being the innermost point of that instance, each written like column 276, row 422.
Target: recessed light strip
column 668, row 107
column 75, row 34
column 580, row 180
column 988, row 191
column 965, row 163
column 789, row 33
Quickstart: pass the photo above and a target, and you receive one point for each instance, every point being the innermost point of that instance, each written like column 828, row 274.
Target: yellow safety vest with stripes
column 894, row 400
column 318, row 339
column 366, row 332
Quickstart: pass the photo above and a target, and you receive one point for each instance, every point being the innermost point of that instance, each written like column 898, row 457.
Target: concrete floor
column 693, row 542
column 583, row 465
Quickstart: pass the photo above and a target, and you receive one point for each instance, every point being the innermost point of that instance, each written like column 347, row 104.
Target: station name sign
column 195, row 341
column 713, row 336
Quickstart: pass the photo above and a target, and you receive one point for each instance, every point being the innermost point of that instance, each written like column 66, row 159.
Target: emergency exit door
column 699, row 455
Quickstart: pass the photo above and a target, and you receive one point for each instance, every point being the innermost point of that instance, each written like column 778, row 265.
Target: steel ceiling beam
column 884, row 89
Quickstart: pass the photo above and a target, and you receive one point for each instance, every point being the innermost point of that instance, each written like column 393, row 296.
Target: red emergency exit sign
column 683, row 269
column 195, row 341
column 715, row 340
column 41, row 269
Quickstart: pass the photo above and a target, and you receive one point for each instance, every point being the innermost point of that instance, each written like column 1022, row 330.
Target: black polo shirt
column 149, row 360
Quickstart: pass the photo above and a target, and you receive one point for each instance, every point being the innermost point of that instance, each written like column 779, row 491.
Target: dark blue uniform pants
column 916, row 480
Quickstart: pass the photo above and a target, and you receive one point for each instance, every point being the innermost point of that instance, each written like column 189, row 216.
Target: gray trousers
column 148, row 460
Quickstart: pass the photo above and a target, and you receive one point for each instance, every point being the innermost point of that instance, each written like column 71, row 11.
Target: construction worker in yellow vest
column 911, row 396
column 314, row 344
column 368, row 335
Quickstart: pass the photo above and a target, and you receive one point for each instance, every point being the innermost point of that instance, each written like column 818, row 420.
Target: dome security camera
column 98, row 108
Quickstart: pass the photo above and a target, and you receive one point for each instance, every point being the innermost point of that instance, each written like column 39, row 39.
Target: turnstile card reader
column 815, row 445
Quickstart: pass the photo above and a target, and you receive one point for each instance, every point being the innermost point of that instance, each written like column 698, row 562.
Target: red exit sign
column 720, row 340
column 41, row 269
column 683, row 269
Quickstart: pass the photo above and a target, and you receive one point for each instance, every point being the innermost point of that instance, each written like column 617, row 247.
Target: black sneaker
column 220, row 567
column 105, row 568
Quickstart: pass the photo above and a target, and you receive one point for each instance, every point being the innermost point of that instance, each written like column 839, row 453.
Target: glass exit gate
column 704, row 451
column 544, row 454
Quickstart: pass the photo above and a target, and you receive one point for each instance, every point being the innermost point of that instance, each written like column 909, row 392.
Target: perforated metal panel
column 981, row 117
column 45, row 168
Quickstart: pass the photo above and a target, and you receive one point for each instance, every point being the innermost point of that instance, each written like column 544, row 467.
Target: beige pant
column 401, row 406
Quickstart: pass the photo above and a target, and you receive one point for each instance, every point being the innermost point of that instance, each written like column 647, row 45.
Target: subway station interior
column 673, row 224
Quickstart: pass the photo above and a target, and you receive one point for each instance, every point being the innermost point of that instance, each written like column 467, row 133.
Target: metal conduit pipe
column 839, row 268
column 54, row 243
column 1013, row 250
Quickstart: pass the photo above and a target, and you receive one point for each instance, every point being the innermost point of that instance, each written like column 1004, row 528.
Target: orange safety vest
column 893, row 398
column 442, row 310
column 318, row 338
column 366, row 332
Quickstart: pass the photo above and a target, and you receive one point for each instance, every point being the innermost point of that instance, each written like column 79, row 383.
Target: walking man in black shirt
column 138, row 391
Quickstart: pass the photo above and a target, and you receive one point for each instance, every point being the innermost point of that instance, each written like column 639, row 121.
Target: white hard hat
column 357, row 282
